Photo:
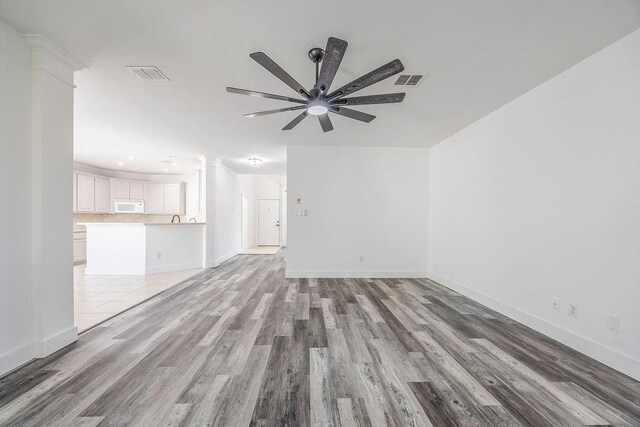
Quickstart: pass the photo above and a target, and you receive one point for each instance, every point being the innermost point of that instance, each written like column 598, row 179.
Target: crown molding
column 42, row 44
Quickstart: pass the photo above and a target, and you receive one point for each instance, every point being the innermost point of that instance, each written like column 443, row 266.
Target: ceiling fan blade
column 262, row 59
column 264, row 95
column 325, row 122
column 333, row 54
column 353, row 114
column 375, row 76
column 295, row 121
column 279, row 110
column 387, row 98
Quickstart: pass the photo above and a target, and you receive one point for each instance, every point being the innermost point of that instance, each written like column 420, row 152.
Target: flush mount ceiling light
column 317, row 108
column 319, row 101
column 255, row 162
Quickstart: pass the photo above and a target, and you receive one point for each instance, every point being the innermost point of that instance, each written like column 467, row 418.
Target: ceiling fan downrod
column 315, row 55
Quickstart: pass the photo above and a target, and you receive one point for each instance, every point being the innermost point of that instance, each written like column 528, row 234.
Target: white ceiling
column 479, row 55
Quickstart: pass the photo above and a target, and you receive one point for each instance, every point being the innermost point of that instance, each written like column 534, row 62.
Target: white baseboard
column 610, row 357
column 109, row 272
column 55, row 342
column 173, row 267
column 15, row 357
column 18, row 356
column 211, row 264
column 347, row 274
column 226, row 256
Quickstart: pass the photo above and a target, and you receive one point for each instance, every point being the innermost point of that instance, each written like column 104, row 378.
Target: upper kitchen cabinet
column 174, row 198
column 102, row 195
column 136, row 190
column 92, row 193
column 155, row 201
column 85, row 188
column 128, row 190
column 166, row 198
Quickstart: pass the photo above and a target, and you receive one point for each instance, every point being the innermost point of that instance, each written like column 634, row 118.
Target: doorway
column 269, row 222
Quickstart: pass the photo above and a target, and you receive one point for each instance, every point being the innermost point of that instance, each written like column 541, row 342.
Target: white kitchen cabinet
column 102, row 195
column 136, row 190
column 166, row 198
column 155, row 201
column 128, row 190
column 121, row 189
column 85, row 188
column 173, row 198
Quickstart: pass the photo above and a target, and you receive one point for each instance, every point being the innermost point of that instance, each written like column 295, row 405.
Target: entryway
column 268, row 222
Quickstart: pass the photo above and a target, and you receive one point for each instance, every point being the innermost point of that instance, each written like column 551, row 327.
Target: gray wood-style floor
column 241, row 345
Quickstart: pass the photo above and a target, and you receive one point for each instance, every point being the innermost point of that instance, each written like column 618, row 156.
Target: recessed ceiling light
column 174, row 164
column 131, row 158
column 165, row 170
column 255, row 162
column 120, row 163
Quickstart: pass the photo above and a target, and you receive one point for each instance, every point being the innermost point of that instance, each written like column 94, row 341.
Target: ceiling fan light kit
column 318, row 101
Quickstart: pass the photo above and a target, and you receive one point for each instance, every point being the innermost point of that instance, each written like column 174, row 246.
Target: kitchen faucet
column 174, row 218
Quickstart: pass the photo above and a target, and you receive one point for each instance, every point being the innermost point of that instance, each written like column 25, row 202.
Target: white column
column 51, row 194
column 209, row 179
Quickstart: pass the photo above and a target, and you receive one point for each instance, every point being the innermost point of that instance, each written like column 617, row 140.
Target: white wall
column 541, row 200
column 360, row 202
column 283, row 216
column 228, row 218
column 36, row 121
column 15, row 200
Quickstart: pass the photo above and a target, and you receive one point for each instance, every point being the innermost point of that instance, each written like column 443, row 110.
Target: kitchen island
column 143, row 248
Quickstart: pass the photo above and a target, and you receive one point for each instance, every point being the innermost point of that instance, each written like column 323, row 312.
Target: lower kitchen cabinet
column 79, row 246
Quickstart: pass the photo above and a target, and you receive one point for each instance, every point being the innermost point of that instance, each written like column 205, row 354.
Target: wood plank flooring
column 241, row 345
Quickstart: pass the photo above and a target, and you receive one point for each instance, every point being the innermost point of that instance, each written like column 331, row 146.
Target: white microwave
column 129, row 207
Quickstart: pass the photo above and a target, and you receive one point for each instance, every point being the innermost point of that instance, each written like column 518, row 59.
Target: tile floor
column 261, row 250
column 98, row 298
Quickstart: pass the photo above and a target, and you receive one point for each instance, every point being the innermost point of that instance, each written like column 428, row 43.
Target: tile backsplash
column 120, row 217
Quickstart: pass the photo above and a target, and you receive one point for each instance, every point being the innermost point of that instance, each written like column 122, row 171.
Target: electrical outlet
column 158, row 255
column 555, row 304
column 613, row 324
column 574, row 310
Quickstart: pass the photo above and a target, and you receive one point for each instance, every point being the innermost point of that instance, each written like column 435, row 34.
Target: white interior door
column 268, row 222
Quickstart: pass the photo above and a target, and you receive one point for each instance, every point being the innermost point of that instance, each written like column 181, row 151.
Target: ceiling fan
column 318, row 101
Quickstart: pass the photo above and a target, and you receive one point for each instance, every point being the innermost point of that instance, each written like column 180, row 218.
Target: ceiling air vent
column 148, row 73
column 409, row 79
